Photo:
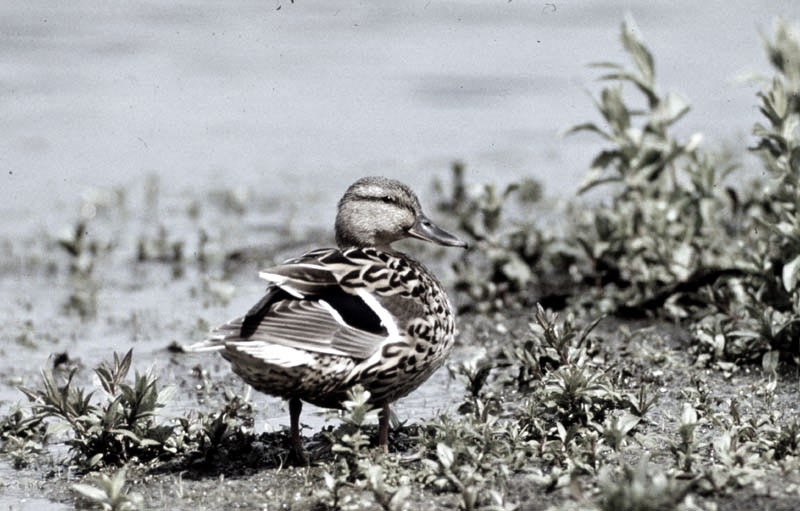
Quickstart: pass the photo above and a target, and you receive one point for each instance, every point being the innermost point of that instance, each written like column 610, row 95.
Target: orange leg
column 383, row 427
column 295, row 407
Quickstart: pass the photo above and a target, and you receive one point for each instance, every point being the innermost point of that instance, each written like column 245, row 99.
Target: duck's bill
column 426, row 230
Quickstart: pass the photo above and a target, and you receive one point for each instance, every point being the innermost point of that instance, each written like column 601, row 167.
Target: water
column 306, row 97
column 292, row 102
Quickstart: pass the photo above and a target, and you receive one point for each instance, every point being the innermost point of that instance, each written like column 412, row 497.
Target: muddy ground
column 256, row 480
column 151, row 279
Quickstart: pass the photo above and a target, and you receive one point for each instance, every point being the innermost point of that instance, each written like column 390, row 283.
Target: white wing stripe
column 385, row 316
column 280, row 281
column 284, row 356
column 333, row 312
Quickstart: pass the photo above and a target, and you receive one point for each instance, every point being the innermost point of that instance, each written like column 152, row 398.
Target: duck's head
column 377, row 211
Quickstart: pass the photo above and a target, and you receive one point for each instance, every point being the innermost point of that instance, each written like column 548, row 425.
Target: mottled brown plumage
column 360, row 314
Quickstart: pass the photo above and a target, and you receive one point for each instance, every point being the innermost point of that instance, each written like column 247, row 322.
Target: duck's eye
column 388, row 199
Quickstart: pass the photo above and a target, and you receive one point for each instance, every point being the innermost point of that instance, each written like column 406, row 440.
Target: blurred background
column 295, row 100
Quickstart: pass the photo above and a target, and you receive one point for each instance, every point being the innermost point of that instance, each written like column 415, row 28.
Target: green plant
column 120, row 427
column 504, row 255
column 356, row 467
column 641, row 488
column 616, row 429
column 685, row 449
column 475, row 370
column 163, row 250
column 758, row 313
column 555, row 363
column 642, row 401
column 83, row 254
column 110, row 492
column 551, row 345
column 474, row 459
column 661, row 238
column 23, row 436
column 209, row 434
column 778, row 214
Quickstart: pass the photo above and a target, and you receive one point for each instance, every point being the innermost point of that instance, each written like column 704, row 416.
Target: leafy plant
column 110, row 493
column 120, row 427
column 353, row 465
column 551, row 345
column 504, row 255
column 641, row 488
column 83, row 254
column 685, row 449
column 661, row 237
column 23, row 436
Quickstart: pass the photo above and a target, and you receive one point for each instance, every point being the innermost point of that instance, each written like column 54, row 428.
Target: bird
column 359, row 314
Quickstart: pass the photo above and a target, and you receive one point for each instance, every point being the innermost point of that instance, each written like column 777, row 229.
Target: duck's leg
column 295, row 407
column 383, row 427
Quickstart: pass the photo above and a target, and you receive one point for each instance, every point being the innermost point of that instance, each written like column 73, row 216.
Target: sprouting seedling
column 110, row 493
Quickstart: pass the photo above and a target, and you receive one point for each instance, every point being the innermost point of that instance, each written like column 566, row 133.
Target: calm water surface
column 299, row 99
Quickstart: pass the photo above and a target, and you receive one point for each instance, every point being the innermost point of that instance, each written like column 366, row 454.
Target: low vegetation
column 677, row 239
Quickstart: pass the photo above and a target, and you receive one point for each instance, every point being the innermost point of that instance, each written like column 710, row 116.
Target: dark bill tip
column 426, row 230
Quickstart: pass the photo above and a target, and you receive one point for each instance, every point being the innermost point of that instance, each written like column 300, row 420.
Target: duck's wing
column 305, row 308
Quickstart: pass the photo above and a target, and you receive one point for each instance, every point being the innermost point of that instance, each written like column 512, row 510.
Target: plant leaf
column 671, row 108
column 791, row 274
column 90, row 492
column 445, row 455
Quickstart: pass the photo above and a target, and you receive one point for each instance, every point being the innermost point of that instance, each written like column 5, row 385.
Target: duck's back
column 333, row 318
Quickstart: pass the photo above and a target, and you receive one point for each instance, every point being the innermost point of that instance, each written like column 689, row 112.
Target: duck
column 359, row 314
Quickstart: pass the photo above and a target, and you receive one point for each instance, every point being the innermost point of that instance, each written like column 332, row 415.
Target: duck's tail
column 218, row 338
